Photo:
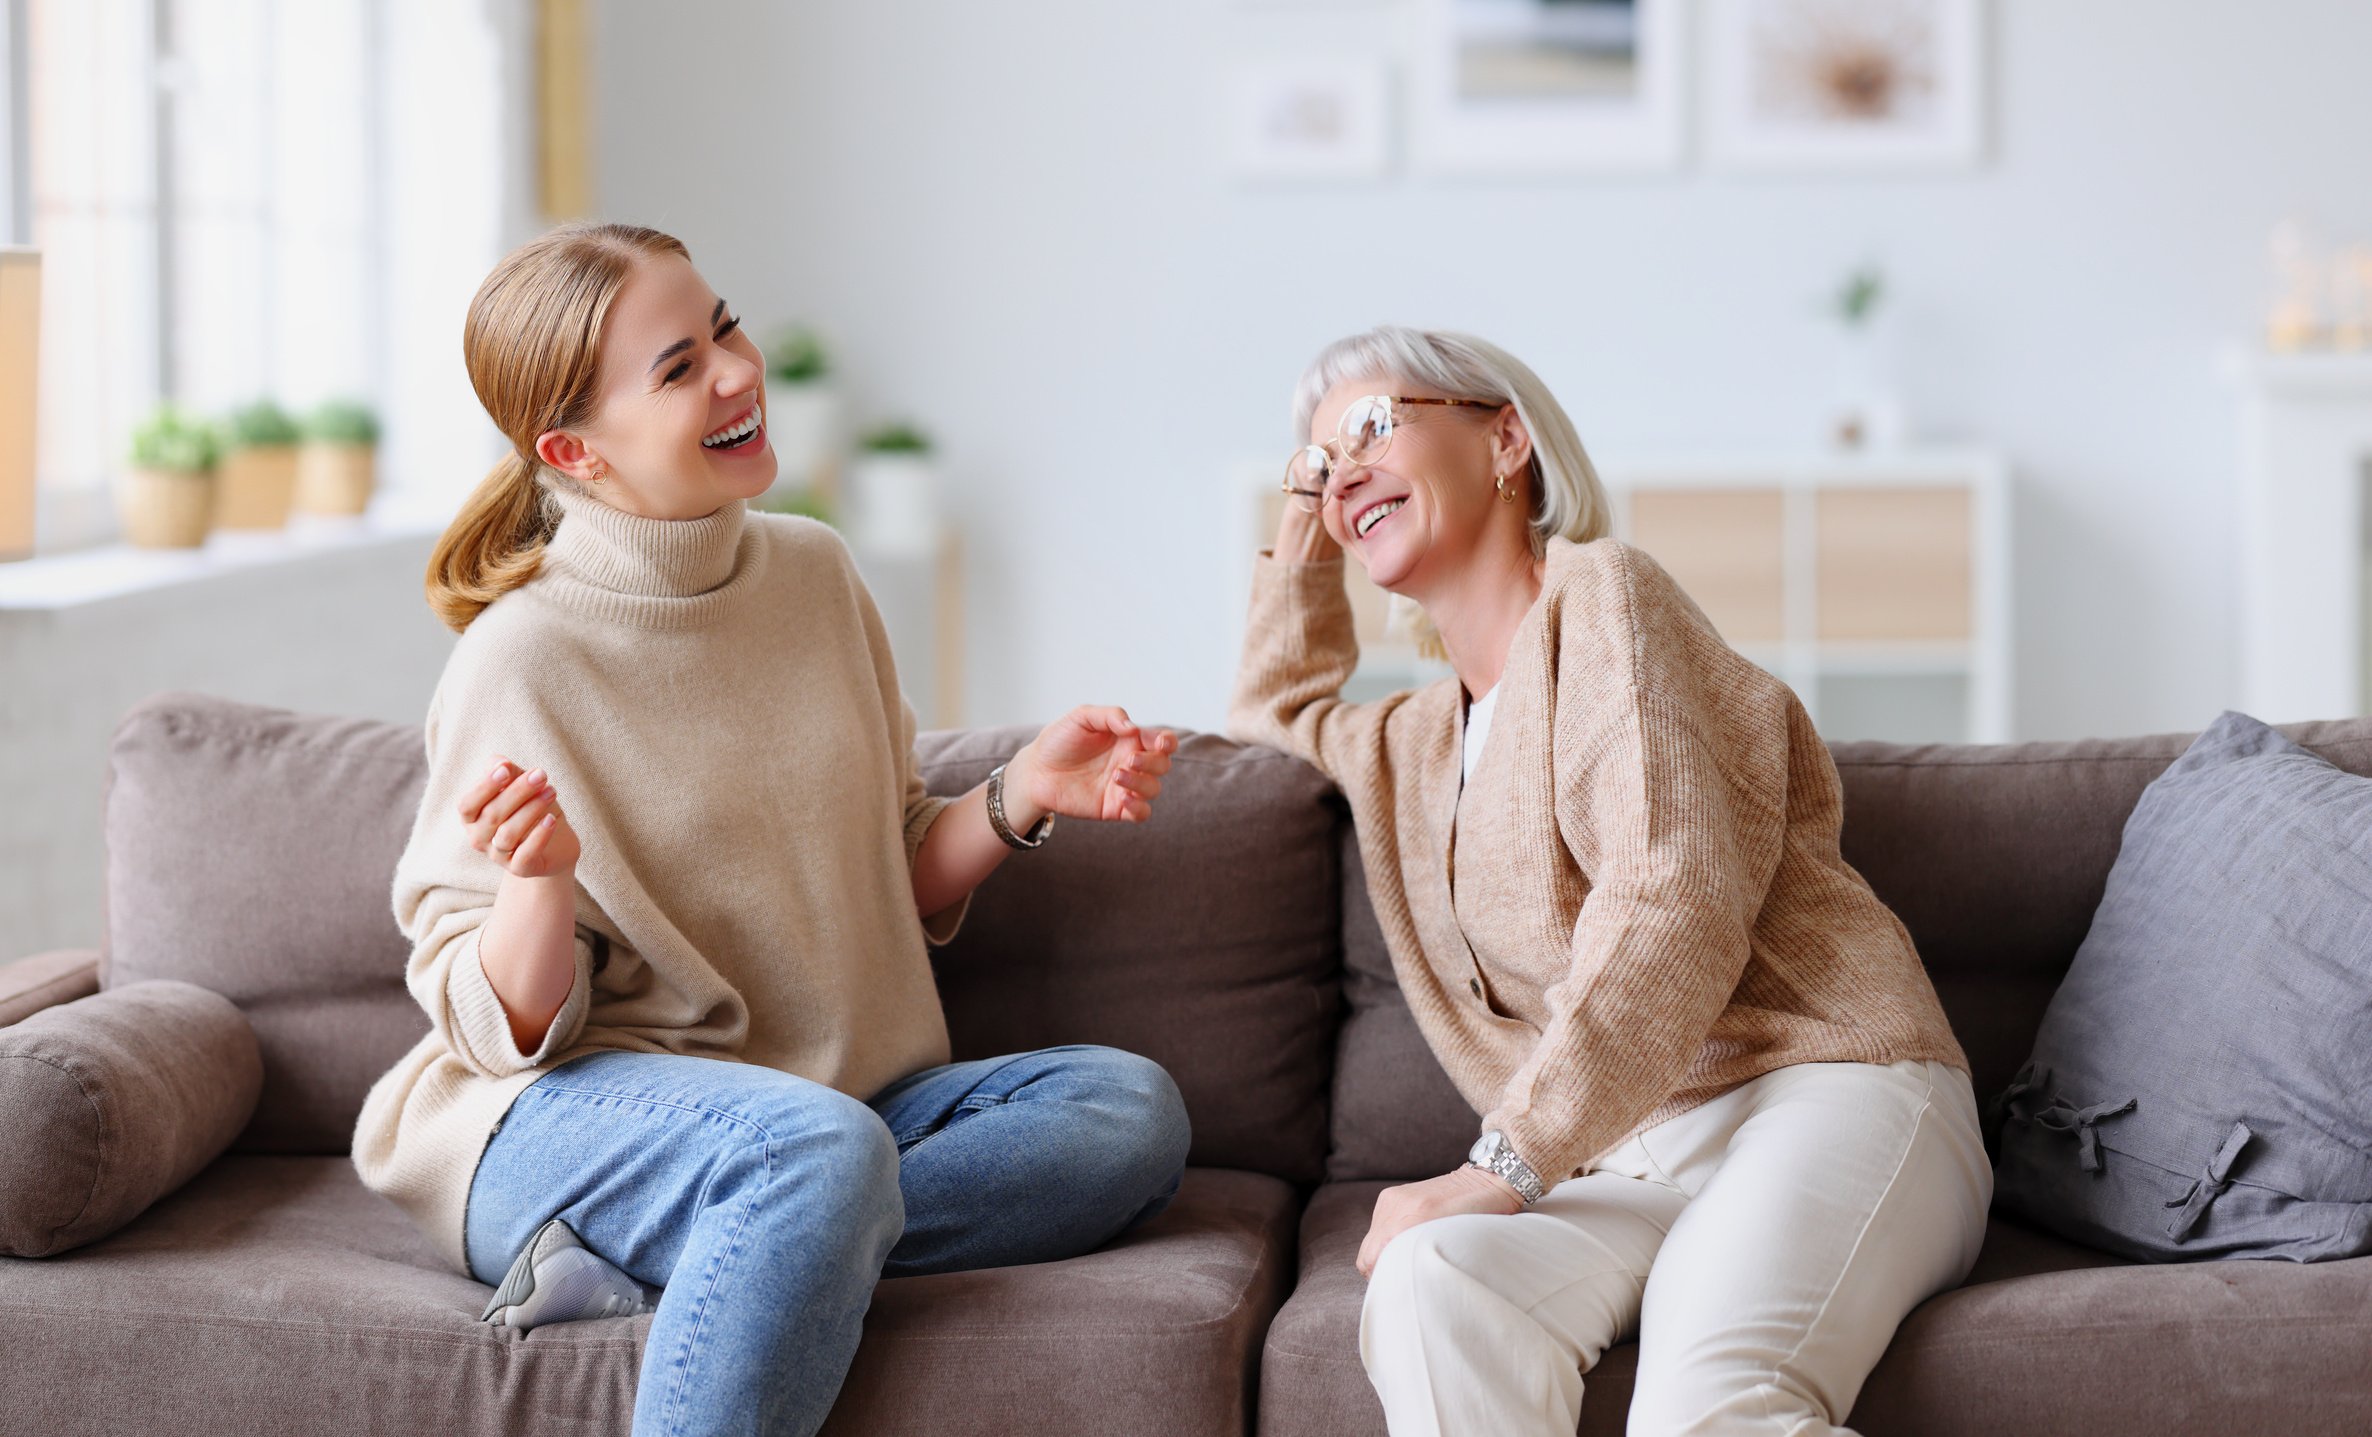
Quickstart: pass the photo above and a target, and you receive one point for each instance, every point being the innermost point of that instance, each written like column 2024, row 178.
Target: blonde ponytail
column 493, row 546
column 533, row 345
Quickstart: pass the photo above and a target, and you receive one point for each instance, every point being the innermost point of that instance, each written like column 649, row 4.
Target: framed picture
column 1324, row 117
column 1844, row 84
column 1548, row 87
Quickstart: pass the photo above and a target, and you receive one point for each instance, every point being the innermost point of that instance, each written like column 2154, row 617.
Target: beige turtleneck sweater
column 1636, row 902
column 715, row 701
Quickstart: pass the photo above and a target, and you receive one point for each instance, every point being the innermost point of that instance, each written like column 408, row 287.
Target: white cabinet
column 1876, row 585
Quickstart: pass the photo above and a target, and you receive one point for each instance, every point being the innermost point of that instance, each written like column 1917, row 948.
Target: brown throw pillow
column 110, row 1102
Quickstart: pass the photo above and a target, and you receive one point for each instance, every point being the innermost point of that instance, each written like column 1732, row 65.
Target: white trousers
column 1762, row 1247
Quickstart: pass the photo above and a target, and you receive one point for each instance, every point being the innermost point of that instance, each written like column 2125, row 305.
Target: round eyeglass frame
column 1334, row 457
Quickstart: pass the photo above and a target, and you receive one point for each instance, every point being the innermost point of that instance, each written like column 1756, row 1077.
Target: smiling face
column 1424, row 507
column 679, row 427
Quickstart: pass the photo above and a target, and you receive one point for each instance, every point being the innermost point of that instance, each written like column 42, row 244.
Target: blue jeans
column 768, row 1205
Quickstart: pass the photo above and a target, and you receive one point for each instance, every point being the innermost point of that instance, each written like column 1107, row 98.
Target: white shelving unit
column 1876, row 585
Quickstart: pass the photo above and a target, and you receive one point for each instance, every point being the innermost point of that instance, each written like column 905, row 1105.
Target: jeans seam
column 675, row 1396
column 975, row 1102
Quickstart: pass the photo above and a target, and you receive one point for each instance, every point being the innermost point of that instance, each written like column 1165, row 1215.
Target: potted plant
column 802, row 411
column 1870, row 411
column 166, row 499
column 257, row 480
column 338, row 466
column 893, row 487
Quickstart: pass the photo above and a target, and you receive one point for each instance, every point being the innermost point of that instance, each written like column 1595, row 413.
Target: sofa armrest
column 45, row 980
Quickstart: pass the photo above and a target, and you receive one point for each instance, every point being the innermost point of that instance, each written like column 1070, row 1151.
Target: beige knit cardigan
column 1636, row 902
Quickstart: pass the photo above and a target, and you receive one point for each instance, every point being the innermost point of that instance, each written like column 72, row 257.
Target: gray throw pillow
column 110, row 1102
column 2201, row 1085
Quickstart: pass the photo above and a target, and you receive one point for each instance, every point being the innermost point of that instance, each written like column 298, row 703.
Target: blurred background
column 1991, row 370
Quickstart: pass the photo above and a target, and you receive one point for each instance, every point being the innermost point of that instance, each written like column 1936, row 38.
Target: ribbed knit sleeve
column 920, row 808
column 444, row 892
column 1670, row 787
column 468, row 1015
column 1300, row 647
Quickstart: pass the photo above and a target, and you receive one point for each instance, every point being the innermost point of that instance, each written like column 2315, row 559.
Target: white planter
column 894, row 503
column 803, row 425
column 1869, row 409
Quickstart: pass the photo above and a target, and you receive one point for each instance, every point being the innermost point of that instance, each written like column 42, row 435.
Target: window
column 284, row 199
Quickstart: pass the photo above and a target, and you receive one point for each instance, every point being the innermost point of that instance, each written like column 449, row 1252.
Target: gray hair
column 1567, row 499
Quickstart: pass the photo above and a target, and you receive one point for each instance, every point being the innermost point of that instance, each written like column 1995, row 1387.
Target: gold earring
column 1501, row 486
column 600, row 471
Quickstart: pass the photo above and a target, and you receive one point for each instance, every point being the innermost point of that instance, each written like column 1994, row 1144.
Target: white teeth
column 1377, row 515
column 733, row 432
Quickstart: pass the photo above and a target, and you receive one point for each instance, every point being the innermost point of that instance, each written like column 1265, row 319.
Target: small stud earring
column 600, row 471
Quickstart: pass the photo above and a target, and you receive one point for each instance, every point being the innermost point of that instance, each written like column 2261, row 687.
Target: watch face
column 1482, row 1149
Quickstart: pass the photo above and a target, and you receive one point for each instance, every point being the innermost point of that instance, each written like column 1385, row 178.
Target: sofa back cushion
column 1993, row 855
column 251, row 851
column 1207, row 939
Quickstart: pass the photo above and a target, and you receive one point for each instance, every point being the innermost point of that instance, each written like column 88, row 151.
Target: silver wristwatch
column 1492, row 1154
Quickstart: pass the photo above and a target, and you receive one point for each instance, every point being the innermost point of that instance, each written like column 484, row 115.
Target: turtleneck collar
column 658, row 573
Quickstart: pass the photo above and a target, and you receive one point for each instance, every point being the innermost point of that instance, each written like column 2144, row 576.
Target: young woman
column 671, row 881
column 1721, row 1108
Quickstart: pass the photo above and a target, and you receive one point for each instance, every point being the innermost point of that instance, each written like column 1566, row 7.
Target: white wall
column 1015, row 220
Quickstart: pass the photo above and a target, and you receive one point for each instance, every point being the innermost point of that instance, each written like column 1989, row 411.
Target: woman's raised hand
column 1303, row 538
column 1094, row 763
column 514, row 818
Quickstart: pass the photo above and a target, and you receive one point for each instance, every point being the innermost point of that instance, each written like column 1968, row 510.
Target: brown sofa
column 249, row 852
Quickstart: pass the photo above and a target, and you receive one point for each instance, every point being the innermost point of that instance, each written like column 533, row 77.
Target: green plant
column 261, row 425
column 801, row 501
column 173, row 439
column 342, row 421
column 898, row 438
column 798, row 356
column 1858, row 298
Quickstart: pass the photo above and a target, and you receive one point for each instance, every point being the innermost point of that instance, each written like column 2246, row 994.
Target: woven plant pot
column 166, row 508
column 335, row 478
column 256, row 487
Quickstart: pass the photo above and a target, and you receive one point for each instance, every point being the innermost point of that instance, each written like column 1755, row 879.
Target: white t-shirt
column 1478, row 728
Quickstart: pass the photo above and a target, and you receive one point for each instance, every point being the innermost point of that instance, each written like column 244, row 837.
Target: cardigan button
column 1476, row 985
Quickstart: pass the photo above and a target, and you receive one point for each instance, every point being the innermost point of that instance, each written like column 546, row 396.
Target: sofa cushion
column 1993, row 855
column 273, row 1291
column 249, row 851
column 2044, row 1337
column 2201, row 1085
column 1396, row 1112
column 110, row 1102
column 1206, row 939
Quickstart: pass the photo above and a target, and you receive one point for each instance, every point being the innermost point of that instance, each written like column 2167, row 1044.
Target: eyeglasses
column 1361, row 437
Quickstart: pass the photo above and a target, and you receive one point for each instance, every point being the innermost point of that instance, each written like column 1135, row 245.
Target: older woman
column 1721, row 1108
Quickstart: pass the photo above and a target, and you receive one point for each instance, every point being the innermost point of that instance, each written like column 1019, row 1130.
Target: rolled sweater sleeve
column 1670, row 762
column 469, row 1016
column 1300, row 646
column 443, row 895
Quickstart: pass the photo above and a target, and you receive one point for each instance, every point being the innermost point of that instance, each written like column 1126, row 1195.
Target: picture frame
column 1889, row 86
column 1308, row 118
column 1549, row 87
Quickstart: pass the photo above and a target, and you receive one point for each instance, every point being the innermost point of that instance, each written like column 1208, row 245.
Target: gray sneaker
column 556, row 1278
